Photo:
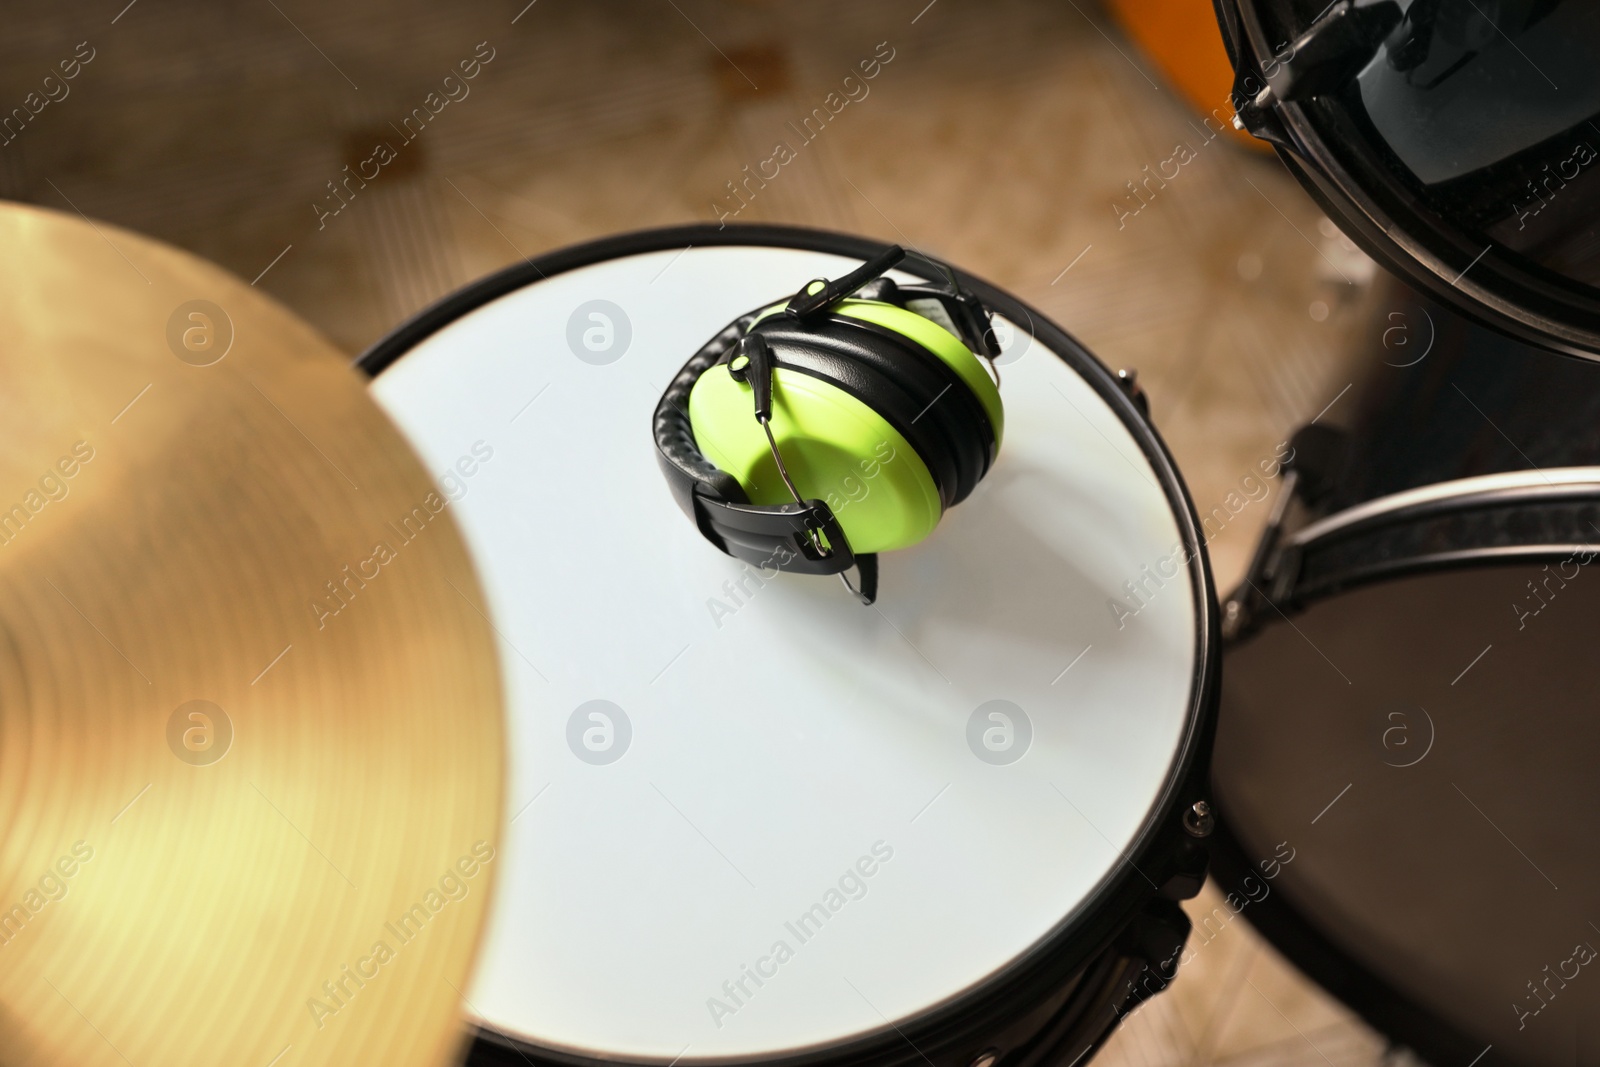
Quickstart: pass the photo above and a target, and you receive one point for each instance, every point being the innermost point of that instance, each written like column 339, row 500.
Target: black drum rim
column 1456, row 494
column 1378, row 214
column 1548, row 487
column 1086, row 932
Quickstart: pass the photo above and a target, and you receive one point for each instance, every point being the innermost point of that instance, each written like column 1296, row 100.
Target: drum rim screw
column 1199, row 820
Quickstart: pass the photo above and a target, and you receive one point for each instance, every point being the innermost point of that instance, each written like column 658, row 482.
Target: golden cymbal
column 250, row 733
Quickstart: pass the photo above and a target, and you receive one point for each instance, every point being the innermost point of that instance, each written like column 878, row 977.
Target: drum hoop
column 1456, row 494
column 1296, row 585
column 1092, row 926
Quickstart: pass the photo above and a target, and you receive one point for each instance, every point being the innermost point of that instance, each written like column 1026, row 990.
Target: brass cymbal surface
column 250, row 708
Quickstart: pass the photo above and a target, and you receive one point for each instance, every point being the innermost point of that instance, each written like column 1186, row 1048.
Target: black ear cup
column 915, row 391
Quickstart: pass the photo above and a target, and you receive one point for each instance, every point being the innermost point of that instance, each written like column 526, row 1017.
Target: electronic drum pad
column 1454, row 140
column 751, row 818
column 1410, row 700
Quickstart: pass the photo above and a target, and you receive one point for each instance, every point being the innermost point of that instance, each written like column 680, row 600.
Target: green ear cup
column 835, row 447
column 936, row 339
column 942, row 343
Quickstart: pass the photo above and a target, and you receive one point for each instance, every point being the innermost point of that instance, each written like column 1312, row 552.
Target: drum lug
column 1238, row 613
column 1188, row 869
column 1156, row 938
column 1285, row 570
column 1311, row 474
column 1256, row 116
column 1270, row 586
column 1128, row 378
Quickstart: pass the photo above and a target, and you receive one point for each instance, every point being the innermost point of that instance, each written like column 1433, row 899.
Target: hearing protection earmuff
column 872, row 414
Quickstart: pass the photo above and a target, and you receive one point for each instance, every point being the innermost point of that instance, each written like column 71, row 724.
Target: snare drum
column 750, row 818
column 1409, row 701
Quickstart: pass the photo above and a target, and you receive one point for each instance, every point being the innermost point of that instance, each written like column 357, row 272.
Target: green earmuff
column 838, row 443
column 819, row 431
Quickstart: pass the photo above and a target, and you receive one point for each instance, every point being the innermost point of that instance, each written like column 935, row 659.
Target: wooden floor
column 1002, row 135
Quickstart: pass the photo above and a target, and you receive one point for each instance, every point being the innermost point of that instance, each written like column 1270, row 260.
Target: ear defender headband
column 815, row 433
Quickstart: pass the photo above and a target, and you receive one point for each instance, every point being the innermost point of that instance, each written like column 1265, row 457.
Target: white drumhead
column 782, row 751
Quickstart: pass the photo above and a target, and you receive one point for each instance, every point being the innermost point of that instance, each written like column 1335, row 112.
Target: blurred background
column 1045, row 145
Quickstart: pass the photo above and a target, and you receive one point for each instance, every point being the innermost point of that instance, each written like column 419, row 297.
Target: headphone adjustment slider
column 820, row 294
column 753, row 364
